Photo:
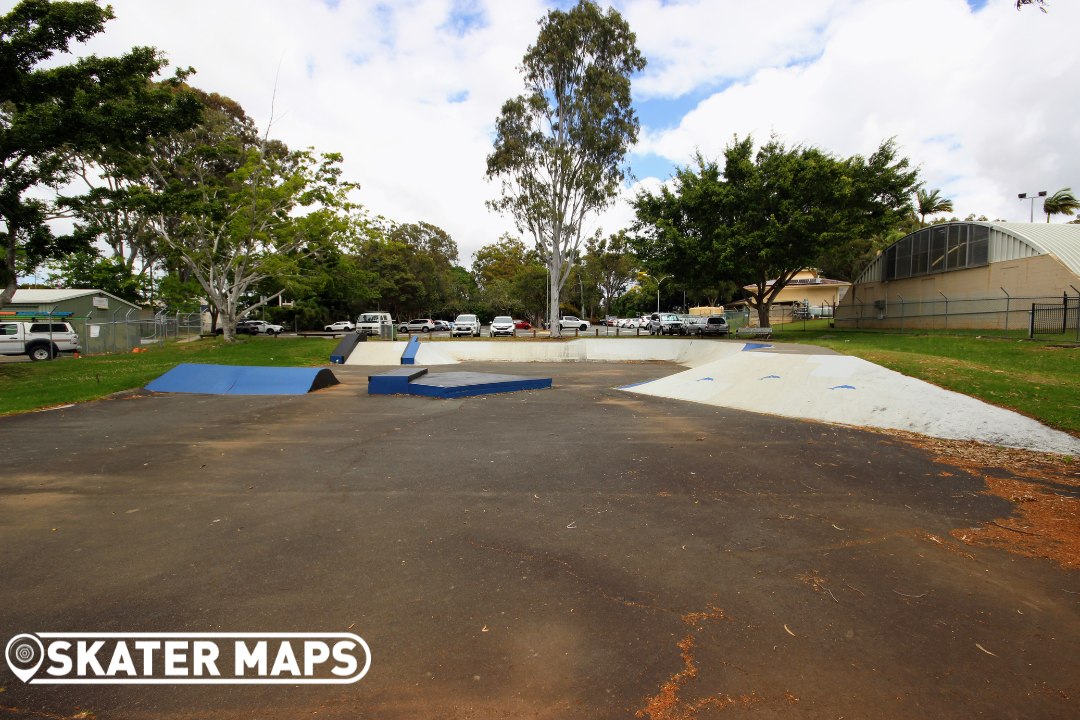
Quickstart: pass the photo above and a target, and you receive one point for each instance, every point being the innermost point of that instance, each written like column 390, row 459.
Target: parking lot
column 579, row 552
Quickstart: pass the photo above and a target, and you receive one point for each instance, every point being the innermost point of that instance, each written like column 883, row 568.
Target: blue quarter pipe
column 242, row 380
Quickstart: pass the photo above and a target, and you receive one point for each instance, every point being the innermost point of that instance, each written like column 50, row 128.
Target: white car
column 340, row 325
column 466, row 325
column 502, row 325
column 570, row 322
column 419, row 325
column 257, row 327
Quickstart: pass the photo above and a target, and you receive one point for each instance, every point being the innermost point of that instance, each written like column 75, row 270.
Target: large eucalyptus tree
column 559, row 147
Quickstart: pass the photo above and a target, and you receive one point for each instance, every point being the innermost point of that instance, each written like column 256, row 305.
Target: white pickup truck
column 39, row 340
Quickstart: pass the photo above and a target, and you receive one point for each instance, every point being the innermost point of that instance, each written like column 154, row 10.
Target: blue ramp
column 242, row 380
column 416, row 381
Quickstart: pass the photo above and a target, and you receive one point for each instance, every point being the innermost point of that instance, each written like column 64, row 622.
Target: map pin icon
column 24, row 654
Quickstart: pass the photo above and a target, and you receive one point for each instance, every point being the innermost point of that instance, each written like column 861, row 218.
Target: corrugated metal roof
column 1015, row 240
column 1060, row 240
column 35, row 296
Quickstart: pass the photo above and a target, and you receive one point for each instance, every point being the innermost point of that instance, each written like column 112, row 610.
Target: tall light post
column 1032, row 196
column 662, row 279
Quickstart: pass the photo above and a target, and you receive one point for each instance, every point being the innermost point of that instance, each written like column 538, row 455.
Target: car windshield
column 465, row 318
column 369, row 318
column 502, row 319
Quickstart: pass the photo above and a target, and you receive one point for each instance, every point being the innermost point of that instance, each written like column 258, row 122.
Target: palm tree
column 930, row 203
column 1063, row 202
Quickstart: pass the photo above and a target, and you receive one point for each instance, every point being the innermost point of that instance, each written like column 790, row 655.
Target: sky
column 982, row 98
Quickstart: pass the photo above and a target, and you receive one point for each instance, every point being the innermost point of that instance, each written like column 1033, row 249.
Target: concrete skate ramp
column 852, row 391
column 785, row 380
column 242, row 380
column 377, row 352
column 684, row 352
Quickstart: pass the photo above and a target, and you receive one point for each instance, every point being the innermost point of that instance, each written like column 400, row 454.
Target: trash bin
column 386, row 331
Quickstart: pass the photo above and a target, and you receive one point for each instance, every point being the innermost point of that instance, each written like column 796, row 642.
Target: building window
column 938, row 249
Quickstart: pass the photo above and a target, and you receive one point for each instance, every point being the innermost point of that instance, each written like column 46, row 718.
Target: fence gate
column 1055, row 318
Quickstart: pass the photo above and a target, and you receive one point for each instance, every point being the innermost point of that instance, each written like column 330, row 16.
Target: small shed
column 105, row 322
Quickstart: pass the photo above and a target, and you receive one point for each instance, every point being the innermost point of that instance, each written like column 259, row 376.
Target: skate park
column 573, row 551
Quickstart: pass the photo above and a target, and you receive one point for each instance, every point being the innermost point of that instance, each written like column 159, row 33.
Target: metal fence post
column 1008, row 301
column 1077, row 312
column 901, row 312
column 946, row 309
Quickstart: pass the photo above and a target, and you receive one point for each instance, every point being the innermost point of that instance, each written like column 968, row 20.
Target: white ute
column 38, row 340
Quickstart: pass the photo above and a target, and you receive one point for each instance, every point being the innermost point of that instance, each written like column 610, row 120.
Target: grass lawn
column 28, row 386
column 1036, row 378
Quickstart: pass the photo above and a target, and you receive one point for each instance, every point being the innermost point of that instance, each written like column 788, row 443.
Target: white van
column 370, row 323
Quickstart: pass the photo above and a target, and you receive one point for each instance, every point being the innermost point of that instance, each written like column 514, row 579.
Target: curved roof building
column 966, row 274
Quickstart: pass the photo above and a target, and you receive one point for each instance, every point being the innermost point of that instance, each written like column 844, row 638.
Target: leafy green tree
column 433, row 256
column 510, row 279
column 50, row 114
column 1063, row 202
column 610, row 267
column 930, row 203
column 87, row 269
column 559, row 147
column 122, row 181
column 677, row 231
column 786, row 207
column 775, row 211
column 236, row 231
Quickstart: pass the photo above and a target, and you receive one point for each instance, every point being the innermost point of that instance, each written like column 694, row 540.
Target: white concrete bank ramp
column 746, row 376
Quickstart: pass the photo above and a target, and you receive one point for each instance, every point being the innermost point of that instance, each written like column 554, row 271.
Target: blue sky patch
column 465, row 17
column 651, row 165
column 459, row 97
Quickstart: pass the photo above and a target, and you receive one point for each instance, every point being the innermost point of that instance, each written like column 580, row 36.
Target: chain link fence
column 124, row 329
column 1006, row 315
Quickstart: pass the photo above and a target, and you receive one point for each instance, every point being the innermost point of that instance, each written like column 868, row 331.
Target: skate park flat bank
column 627, row 543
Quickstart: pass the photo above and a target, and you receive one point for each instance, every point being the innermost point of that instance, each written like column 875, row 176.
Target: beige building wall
column 971, row 298
column 816, row 294
column 823, row 294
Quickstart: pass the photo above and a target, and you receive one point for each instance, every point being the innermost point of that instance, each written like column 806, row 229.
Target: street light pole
column 1032, row 196
column 662, row 279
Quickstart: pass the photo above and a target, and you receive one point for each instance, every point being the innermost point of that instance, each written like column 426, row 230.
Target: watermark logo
column 188, row 658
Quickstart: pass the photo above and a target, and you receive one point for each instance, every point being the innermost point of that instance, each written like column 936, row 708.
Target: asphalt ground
column 578, row 552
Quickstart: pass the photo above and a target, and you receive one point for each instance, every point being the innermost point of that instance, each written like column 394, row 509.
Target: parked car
column 340, row 325
column 370, row 323
column 37, row 340
column 569, row 322
column 714, row 325
column 420, row 325
column 664, row 324
column 692, row 325
column 444, row 326
column 259, row 327
column 252, row 327
column 502, row 325
column 466, row 325
column 522, row 325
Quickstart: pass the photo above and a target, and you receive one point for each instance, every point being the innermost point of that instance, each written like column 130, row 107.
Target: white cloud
column 984, row 102
column 981, row 101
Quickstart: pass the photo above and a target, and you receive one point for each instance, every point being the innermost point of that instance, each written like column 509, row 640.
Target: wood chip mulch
column 1043, row 488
